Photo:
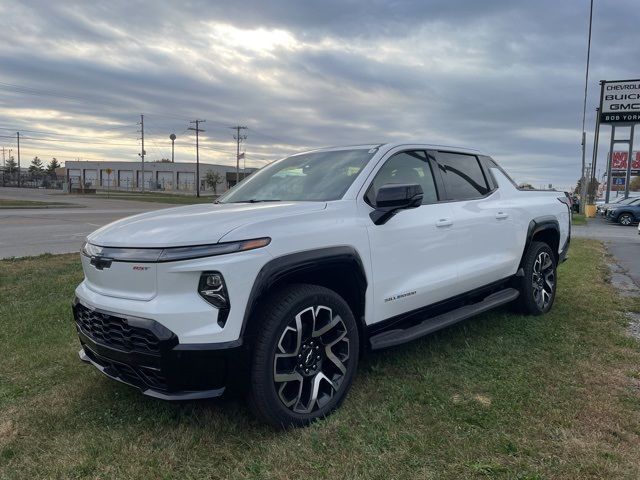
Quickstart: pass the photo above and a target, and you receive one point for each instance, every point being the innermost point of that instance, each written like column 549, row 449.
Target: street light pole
column 173, row 140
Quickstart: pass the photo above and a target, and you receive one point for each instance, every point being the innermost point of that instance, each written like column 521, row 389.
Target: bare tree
column 213, row 179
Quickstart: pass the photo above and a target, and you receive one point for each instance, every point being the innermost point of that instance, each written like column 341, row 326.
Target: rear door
column 413, row 254
column 485, row 233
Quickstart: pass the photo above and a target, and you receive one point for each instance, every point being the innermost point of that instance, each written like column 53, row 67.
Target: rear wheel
column 305, row 356
column 625, row 219
column 538, row 285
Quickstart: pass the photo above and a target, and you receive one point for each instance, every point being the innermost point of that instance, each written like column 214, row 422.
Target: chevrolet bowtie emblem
column 101, row 262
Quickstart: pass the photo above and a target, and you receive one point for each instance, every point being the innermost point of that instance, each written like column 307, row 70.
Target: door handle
column 444, row 222
column 502, row 215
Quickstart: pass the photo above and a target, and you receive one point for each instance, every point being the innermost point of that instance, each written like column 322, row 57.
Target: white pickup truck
column 280, row 286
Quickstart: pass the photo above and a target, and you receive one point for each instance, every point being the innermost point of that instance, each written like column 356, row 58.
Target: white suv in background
column 282, row 284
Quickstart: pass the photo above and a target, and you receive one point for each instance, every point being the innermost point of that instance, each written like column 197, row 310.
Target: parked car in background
column 625, row 212
column 614, row 203
column 575, row 204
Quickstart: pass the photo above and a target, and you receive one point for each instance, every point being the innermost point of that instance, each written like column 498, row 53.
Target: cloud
column 506, row 77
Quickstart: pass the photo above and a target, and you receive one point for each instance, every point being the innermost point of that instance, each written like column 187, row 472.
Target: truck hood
column 193, row 225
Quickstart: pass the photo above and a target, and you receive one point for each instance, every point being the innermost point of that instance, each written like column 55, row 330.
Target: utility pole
column 18, row 136
column 142, row 152
column 583, row 183
column 4, row 163
column 197, row 129
column 239, row 139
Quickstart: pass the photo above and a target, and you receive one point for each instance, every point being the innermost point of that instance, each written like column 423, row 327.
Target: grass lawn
column 156, row 197
column 578, row 219
column 10, row 203
column 499, row 396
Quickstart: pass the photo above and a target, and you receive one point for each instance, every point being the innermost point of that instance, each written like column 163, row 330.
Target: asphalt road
column 28, row 231
column 31, row 231
column 622, row 242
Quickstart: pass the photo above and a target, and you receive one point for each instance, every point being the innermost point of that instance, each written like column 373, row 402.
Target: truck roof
column 390, row 145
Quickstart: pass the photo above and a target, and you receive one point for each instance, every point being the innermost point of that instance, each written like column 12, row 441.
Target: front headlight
column 198, row 251
column 172, row 254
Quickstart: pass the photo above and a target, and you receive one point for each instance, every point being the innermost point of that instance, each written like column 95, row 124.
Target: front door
column 412, row 254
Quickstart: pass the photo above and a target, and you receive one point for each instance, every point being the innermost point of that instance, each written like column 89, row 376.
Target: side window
column 489, row 163
column 462, row 175
column 405, row 167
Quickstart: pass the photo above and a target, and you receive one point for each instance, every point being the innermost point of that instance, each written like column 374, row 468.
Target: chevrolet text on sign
column 620, row 102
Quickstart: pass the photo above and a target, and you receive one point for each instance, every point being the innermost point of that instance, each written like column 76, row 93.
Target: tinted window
column 405, row 167
column 462, row 175
column 490, row 163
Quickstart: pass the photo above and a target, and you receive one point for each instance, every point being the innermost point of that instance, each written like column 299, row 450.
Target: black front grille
column 142, row 377
column 153, row 377
column 115, row 332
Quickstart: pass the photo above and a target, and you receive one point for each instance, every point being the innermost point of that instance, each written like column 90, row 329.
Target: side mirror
column 394, row 197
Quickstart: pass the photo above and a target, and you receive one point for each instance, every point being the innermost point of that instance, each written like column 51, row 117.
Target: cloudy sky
column 505, row 76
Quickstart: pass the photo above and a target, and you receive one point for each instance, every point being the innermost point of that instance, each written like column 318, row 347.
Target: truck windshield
column 314, row 176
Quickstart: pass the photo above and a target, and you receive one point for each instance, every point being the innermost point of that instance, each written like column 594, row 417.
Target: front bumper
column 146, row 355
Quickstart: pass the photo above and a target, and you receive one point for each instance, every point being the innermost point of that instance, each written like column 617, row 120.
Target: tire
column 625, row 219
column 305, row 356
column 538, row 285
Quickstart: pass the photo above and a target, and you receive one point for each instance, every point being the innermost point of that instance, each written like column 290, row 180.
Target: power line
column 279, row 140
column 59, row 140
column 128, row 126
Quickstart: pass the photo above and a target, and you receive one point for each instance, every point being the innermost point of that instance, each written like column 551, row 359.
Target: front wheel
column 305, row 356
column 625, row 219
column 538, row 285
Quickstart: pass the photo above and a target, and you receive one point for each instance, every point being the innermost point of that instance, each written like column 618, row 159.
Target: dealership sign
column 619, row 163
column 618, row 181
column 620, row 102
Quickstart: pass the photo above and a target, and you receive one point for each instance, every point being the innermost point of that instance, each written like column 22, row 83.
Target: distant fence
column 30, row 180
column 129, row 185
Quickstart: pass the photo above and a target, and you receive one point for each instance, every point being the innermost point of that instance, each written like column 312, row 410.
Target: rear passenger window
column 405, row 167
column 462, row 175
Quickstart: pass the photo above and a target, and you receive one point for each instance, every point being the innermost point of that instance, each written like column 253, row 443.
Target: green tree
column 592, row 190
column 526, row 186
column 213, row 179
column 634, row 185
column 12, row 166
column 51, row 168
column 36, row 166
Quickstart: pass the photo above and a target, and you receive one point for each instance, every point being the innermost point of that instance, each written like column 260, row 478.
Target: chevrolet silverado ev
column 280, row 286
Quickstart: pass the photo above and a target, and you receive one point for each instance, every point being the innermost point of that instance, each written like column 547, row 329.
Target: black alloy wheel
column 305, row 356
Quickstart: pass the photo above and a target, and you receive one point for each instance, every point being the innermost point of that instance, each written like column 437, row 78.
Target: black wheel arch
column 543, row 229
column 338, row 268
